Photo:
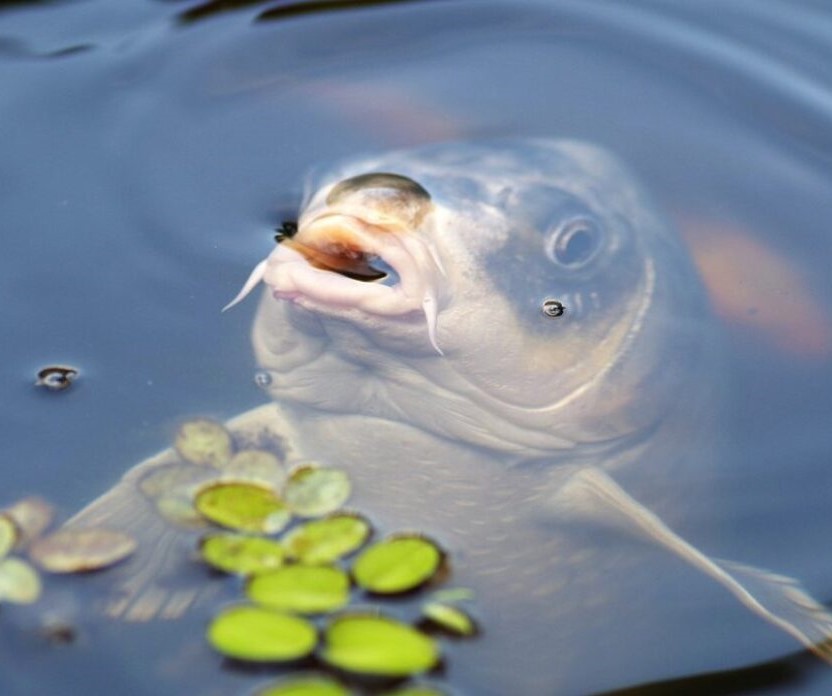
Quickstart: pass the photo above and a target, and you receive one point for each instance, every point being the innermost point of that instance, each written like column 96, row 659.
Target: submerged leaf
column 205, row 442
column 243, row 506
column 19, row 582
column 416, row 690
column 32, row 516
column 327, row 540
column 372, row 644
column 73, row 550
column 312, row 491
column 304, row 686
column 302, row 589
column 244, row 555
column 398, row 564
column 257, row 466
column 257, row 634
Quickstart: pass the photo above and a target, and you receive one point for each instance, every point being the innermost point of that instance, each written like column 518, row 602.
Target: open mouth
column 341, row 261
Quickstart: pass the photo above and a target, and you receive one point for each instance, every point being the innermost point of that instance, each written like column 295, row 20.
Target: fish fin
column 591, row 493
column 158, row 581
column 429, row 308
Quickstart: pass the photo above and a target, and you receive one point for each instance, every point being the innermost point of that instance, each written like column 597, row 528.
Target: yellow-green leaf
column 397, row 564
column 302, row 589
column 378, row 645
column 257, row 634
column 327, row 540
column 8, row 534
column 244, row 555
column 243, row 506
column 449, row 618
column 19, row 582
column 304, row 686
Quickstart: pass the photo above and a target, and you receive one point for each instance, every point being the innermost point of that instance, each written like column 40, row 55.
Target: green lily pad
column 378, row 645
column 19, row 582
column 397, row 564
column 304, row 686
column 327, row 540
column 257, row 634
column 312, row 491
column 205, row 442
column 81, row 550
column 244, row 555
column 8, row 534
column 32, row 516
column 451, row 619
column 302, row 589
column 243, row 506
column 257, row 466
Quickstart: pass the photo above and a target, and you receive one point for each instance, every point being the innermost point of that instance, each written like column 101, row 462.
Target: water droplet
column 262, row 379
column 552, row 308
column 56, row 377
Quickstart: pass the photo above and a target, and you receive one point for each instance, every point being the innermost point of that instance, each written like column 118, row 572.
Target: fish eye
column 574, row 243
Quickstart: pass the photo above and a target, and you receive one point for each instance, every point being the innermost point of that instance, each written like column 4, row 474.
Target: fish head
column 520, row 295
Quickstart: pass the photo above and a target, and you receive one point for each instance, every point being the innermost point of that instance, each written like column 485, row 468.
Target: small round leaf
column 449, row 618
column 244, row 555
column 19, row 582
column 257, row 634
column 302, row 589
column 397, row 564
column 304, row 686
column 243, row 506
column 378, row 645
column 205, row 442
column 8, row 534
column 327, row 540
column 312, row 491
column 80, row 550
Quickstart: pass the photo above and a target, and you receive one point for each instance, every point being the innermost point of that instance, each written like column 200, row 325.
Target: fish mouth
column 340, row 261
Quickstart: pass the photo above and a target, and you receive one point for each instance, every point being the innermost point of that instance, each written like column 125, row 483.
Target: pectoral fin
column 590, row 494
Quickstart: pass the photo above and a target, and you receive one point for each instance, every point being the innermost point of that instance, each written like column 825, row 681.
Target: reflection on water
column 148, row 164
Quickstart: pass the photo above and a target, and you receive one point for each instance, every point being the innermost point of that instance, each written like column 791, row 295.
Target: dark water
column 148, row 148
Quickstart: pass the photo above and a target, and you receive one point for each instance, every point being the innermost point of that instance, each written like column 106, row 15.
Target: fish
column 405, row 335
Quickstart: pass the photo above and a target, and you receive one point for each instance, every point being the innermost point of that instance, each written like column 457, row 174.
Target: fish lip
column 409, row 252
column 309, row 281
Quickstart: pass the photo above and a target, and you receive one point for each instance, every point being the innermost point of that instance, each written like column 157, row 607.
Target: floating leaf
column 327, row 540
column 303, row 589
column 257, row 466
column 8, row 534
column 449, row 618
column 243, row 506
column 236, row 553
column 205, row 442
column 312, row 491
column 417, row 690
column 304, row 686
column 257, row 634
column 371, row 644
column 397, row 564
column 79, row 550
column 32, row 516
column 19, row 582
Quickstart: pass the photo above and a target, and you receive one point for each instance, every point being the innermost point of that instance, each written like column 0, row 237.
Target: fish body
column 402, row 338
